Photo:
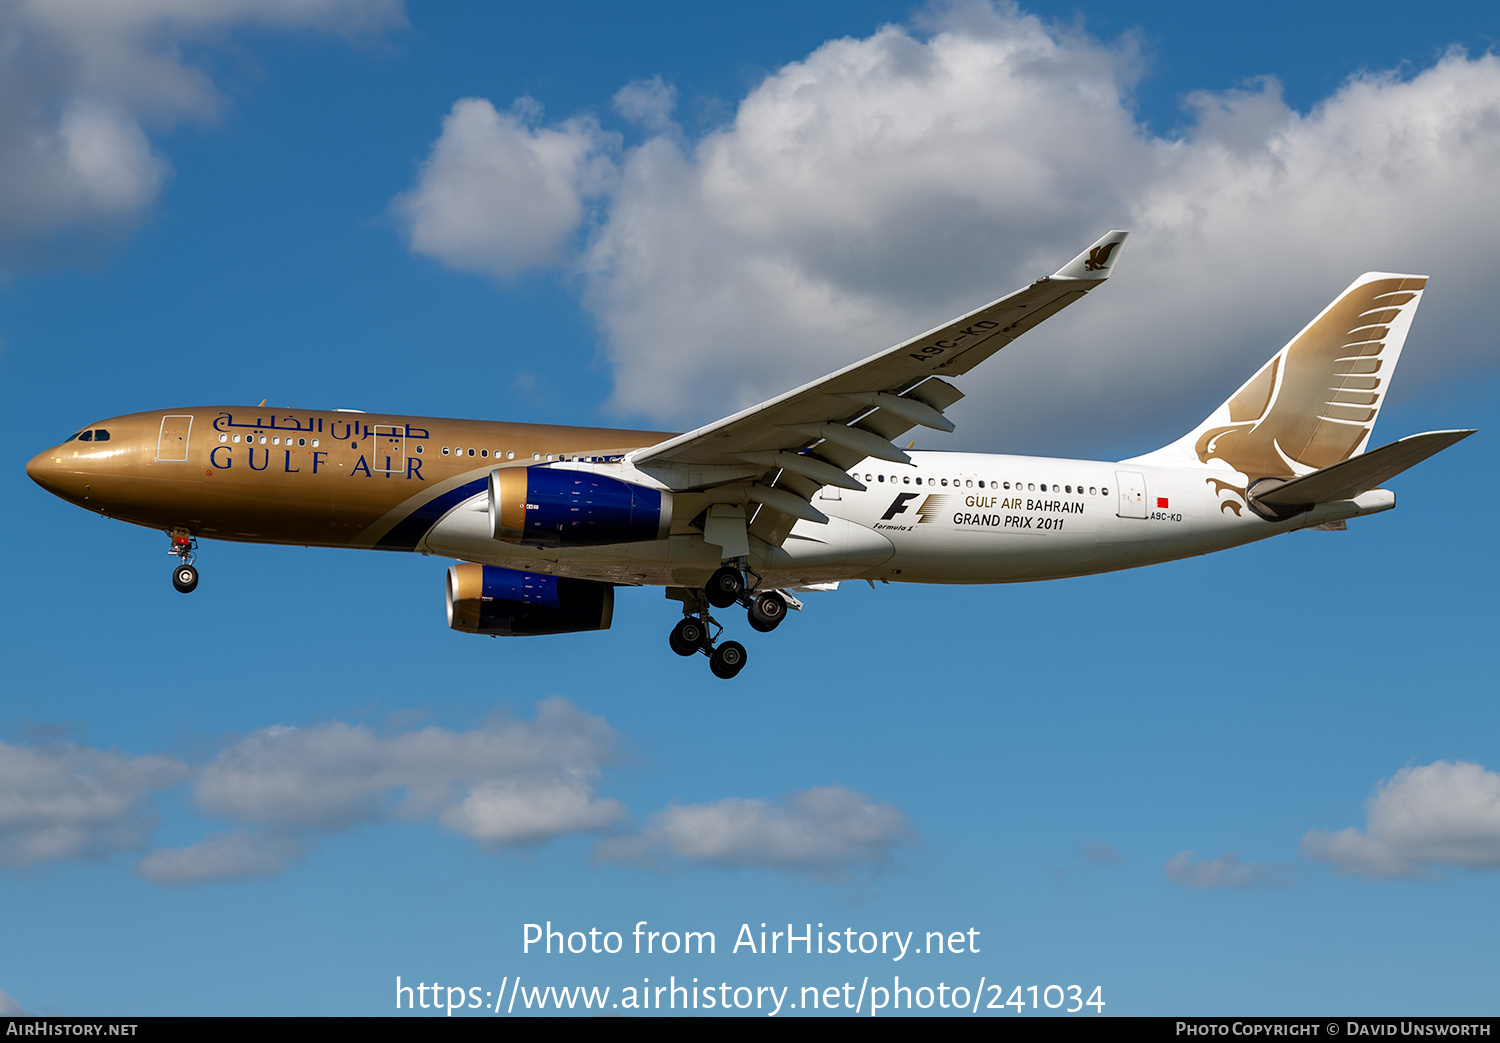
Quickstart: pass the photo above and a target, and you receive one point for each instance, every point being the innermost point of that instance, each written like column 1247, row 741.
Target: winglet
column 1095, row 262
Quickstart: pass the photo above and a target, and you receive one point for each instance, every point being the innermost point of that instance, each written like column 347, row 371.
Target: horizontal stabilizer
column 1358, row 474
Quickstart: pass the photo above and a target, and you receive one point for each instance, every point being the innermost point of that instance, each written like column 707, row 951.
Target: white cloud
column 649, row 103
column 498, row 194
column 509, row 782
column 69, row 801
column 1440, row 814
column 9, row 1006
column 881, row 185
column 81, row 81
column 1225, row 871
column 503, row 813
column 225, row 856
column 1102, row 853
column 824, row 830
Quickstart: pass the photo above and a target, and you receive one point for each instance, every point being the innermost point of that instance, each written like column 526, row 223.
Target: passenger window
column 445, row 450
column 970, row 485
column 511, row 455
column 906, row 480
column 1031, row 487
column 101, row 435
column 1104, row 492
column 880, row 478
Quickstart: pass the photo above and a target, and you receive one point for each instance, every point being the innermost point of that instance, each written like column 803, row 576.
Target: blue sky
column 1193, row 785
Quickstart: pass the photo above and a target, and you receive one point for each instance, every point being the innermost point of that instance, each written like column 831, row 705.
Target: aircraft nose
column 44, row 469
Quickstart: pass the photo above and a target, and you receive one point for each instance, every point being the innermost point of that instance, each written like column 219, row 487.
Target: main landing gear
column 184, row 575
column 698, row 631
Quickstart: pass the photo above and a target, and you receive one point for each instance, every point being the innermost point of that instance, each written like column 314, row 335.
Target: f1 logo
column 898, row 506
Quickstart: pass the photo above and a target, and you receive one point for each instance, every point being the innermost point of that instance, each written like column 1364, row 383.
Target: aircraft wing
column 793, row 445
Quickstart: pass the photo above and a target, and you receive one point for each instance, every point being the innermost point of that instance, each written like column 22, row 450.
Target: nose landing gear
column 184, row 575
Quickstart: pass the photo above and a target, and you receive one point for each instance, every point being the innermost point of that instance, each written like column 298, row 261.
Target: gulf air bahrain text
column 797, row 493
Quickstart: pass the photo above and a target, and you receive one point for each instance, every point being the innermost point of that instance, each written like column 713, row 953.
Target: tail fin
column 1315, row 403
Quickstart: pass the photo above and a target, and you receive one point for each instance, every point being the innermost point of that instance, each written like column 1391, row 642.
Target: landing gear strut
column 734, row 583
column 698, row 631
column 185, row 575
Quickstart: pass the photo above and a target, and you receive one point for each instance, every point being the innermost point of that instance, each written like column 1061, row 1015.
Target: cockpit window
column 101, row 435
column 86, row 436
column 70, row 438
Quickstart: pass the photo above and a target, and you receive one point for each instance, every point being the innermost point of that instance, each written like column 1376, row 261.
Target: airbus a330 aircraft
column 800, row 492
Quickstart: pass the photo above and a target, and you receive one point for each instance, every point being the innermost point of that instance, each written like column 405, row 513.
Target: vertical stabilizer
column 1315, row 403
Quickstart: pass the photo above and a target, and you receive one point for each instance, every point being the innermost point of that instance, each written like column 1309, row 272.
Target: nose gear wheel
column 185, row 547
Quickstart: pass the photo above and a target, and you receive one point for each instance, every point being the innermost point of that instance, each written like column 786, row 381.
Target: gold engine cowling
column 563, row 507
column 484, row 599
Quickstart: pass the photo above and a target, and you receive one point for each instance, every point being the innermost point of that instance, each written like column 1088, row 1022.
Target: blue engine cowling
column 483, row 599
column 562, row 507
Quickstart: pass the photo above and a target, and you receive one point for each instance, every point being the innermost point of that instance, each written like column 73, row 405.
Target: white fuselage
column 944, row 518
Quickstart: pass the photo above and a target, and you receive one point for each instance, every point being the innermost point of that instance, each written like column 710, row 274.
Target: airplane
column 801, row 492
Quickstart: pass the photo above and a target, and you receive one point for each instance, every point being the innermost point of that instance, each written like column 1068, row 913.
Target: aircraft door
column 172, row 441
column 390, row 449
column 1132, row 494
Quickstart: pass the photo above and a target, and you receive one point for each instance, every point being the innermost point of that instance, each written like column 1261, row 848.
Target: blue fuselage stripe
column 409, row 531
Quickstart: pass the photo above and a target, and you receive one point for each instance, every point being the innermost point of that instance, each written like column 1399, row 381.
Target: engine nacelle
column 483, row 599
column 560, row 507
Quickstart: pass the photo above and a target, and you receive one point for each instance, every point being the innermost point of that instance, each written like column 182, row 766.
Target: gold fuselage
column 325, row 478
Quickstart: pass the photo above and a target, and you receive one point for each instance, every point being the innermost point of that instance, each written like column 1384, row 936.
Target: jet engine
column 561, row 507
column 484, row 599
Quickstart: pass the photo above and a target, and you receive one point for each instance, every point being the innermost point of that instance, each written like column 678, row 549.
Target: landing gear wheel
column 688, row 636
column 767, row 612
column 185, row 578
column 725, row 587
column 727, row 660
